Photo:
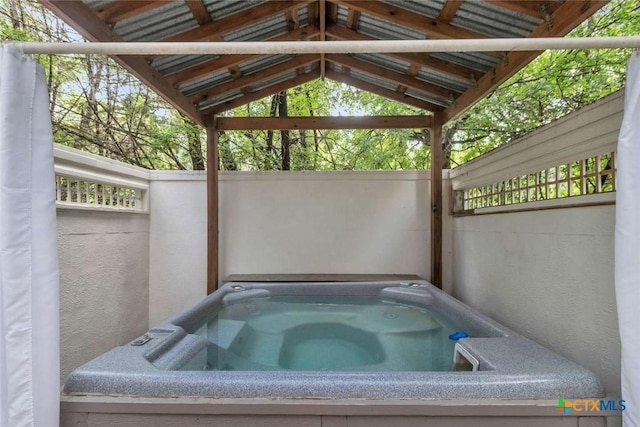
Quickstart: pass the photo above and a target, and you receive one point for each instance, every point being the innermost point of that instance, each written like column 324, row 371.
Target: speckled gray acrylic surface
column 511, row 366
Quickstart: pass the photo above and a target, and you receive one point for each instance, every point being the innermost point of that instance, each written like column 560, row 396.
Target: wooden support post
column 212, row 205
column 436, row 199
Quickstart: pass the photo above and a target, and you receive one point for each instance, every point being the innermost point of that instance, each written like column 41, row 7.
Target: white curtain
column 29, row 313
column 627, row 244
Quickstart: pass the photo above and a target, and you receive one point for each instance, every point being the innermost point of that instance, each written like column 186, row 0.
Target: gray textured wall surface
column 104, row 282
column 549, row 276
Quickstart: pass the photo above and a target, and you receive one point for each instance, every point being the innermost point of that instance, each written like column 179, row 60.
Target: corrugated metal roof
column 262, row 30
column 384, row 61
column 267, row 29
column 262, row 62
column 384, row 83
column 384, row 30
column 442, row 80
column 176, row 17
column 219, row 9
column 273, row 81
column 229, row 96
column 157, row 24
column 423, row 96
column 174, row 63
column 430, row 8
column 493, row 21
column 96, row 4
column 478, row 61
column 212, row 80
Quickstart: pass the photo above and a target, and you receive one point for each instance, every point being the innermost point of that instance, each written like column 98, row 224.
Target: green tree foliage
column 326, row 149
column 553, row 85
column 98, row 107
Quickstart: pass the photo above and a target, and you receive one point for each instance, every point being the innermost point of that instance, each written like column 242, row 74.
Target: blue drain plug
column 457, row 335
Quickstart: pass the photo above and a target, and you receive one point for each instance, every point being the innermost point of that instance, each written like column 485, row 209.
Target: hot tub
column 373, row 340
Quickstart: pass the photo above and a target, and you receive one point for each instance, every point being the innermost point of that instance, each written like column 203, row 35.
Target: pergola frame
column 214, row 125
column 324, row 47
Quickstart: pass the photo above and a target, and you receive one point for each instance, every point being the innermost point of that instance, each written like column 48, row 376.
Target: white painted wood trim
column 573, row 201
column 420, row 175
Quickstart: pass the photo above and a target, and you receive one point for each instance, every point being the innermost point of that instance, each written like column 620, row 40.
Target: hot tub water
column 325, row 334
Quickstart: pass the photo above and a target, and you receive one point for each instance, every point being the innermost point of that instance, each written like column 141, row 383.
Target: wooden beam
column 120, row 10
column 353, row 18
column 225, row 62
column 251, row 16
column 292, row 19
column 87, row 23
column 436, row 199
column 394, row 76
column 390, row 94
column 322, row 5
column 199, row 11
column 212, row 206
column 423, row 60
column 323, row 123
column 449, row 10
column 433, row 27
column 254, row 78
column 287, row 84
column 530, row 8
column 565, row 18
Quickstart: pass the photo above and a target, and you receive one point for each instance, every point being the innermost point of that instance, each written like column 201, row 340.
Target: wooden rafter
column 225, row 62
column 236, row 74
column 312, row 11
column 332, row 13
column 420, row 59
column 120, row 10
column 449, row 10
column 394, row 76
column 292, row 19
column 433, row 27
column 199, row 11
column 211, row 30
column 565, row 18
column 530, row 8
column 322, row 123
column 322, row 6
column 79, row 16
column 254, row 78
column 353, row 17
column 287, row 84
column 378, row 90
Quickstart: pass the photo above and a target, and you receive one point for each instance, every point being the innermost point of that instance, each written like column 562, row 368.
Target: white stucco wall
column 292, row 222
column 104, row 276
column 549, row 276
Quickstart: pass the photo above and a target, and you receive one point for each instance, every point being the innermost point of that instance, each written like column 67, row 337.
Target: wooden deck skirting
column 99, row 411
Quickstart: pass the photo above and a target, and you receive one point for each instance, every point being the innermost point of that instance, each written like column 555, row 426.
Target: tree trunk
column 284, row 134
column 194, row 145
column 226, row 156
column 268, row 156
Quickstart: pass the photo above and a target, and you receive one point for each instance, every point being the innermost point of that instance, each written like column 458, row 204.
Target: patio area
column 506, row 260
column 523, row 234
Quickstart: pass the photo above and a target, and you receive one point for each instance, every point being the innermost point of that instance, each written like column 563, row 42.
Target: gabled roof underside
column 199, row 85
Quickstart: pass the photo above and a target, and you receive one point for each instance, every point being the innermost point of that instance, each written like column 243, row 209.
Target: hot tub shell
column 510, row 365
